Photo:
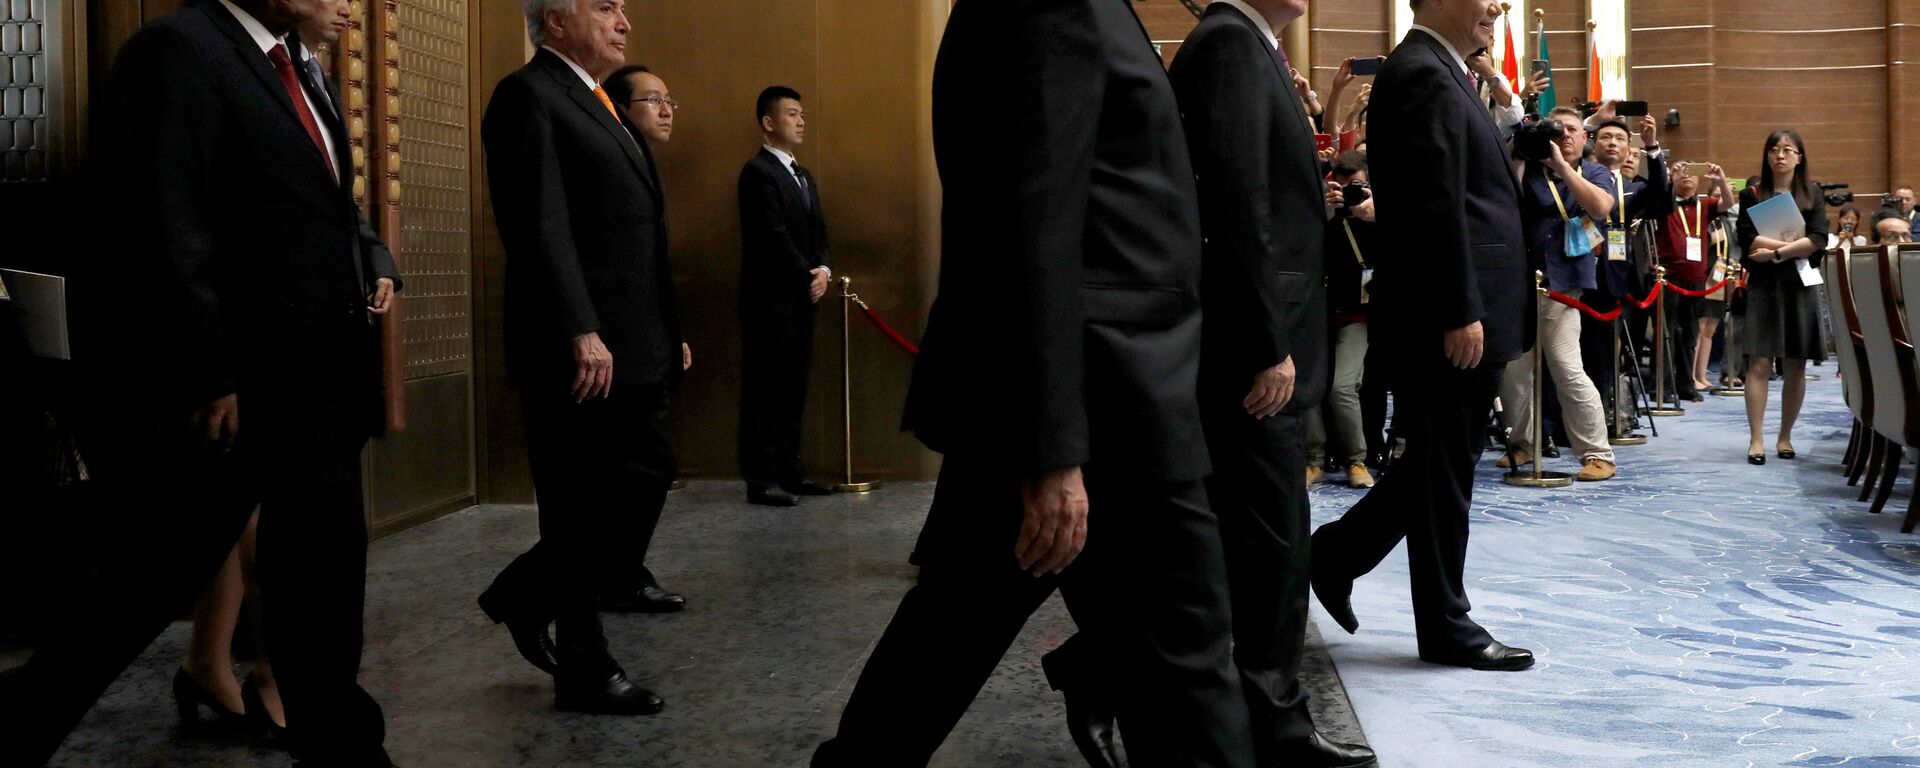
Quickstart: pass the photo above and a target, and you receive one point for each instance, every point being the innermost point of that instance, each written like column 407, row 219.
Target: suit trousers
column 1341, row 415
column 1259, row 492
column 601, row 470
column 1149, row 584
column 171, row 515
column 776, row 360
column 1582, row 414
column 1683, row 332
column 1441, row 411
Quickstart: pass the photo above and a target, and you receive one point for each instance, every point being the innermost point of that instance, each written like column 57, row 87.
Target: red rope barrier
column 1605, row 317
column 1614, row 314
column 909, row 347
column 1700, row 294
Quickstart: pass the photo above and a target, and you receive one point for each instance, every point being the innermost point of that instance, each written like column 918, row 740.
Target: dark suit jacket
column 1262, row 210
column 1450, row 248
column 782, row 238
column 583, row 224
column 235, row 262
column 1067, row 327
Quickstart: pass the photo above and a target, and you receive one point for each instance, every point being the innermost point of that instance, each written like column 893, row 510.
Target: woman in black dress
column 1783, row 314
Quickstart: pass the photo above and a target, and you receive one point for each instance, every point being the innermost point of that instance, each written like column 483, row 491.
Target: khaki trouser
column 1580, row 410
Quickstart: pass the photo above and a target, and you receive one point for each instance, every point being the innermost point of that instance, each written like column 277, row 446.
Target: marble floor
column 785, row 605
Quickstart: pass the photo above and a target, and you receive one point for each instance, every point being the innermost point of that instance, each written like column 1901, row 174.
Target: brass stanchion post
column 1538, row 478
column 847, row 299
column 1726, row 323
column 1660, row 347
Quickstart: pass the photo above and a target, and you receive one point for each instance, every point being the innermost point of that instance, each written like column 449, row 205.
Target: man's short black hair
column 1614, row 123
column 619, row 85
column 1349, row 163
column 1882, row 215
column 770, row 100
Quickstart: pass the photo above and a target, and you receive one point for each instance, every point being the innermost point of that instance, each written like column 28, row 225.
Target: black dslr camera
column 1534, row 139
column 1836, row 194
column 1356, row 192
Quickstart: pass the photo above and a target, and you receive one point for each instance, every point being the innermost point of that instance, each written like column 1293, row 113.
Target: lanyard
column 1561, row 204
column 1355, row 243
column 1620, row 199
column 1697, row 228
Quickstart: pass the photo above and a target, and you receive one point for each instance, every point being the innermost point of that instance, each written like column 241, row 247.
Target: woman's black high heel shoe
column 1756, row 459
column 1787, row 453
column 189, row 697
column 257, row 713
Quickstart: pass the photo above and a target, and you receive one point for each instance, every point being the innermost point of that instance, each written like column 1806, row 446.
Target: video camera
column 1836, row 197
column 1534, row 139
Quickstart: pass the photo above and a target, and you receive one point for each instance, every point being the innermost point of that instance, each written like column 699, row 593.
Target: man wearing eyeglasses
column 644, row 98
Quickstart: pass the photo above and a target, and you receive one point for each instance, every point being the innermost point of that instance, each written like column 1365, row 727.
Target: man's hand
column 593, row 368
column 1364, row 211
column 219, row 421
column 1335, row 198
column 1536, row 85
column 686, row 356
column 1715, row 174
column 818, row 288
column 1608, row 110
column 382, row 298
column 1465, row 345
column 1272, row 389
column 1054, row 529
column 1649, row 131
column 1481, row 63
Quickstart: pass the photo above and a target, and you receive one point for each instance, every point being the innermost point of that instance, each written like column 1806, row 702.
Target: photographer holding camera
column 1564, row 212
column 1349, row 239
column 1688, row 243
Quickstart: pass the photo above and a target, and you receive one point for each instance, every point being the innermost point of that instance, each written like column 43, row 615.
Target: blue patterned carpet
column 1696, row 611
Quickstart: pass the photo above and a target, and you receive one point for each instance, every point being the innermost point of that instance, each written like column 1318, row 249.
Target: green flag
column 1547, row 98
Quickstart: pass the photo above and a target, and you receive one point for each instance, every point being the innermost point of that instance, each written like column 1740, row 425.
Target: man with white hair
column 587, row 286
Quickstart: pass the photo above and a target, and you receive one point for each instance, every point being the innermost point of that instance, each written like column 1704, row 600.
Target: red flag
column 1594, row 92
column 1509, row 61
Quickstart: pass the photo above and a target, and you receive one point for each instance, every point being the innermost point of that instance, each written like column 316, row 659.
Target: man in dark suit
column 1263, row 361
column 239, row 279
column 1453, row 301
column 783, row 274
column 592, row 340
column 1058, row 377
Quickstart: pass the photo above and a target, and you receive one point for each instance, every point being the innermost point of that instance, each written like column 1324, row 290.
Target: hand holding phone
column 1368, row 65
column 1630, row 109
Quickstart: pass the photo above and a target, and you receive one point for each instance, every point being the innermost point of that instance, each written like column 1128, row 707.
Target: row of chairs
column 1867, row 290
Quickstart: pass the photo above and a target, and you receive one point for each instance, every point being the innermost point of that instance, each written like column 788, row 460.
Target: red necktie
column 284, row 65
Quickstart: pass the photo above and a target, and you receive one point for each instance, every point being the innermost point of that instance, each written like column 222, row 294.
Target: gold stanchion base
column 855, row 487
column 678, row 485
column 1545, row 480
column 1668, row 412
column 1627, row 440
column 1731, row 392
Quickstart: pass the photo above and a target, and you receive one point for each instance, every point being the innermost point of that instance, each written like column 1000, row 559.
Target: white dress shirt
column 1258, row 20
column 267, row 41
column 577, row 69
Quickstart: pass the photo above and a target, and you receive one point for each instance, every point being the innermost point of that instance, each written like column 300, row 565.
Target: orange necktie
column 600, row 93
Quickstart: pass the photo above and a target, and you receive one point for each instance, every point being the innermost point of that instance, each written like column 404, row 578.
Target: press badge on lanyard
column 1694, row 250
column 1617, row 237
column 1366, row 272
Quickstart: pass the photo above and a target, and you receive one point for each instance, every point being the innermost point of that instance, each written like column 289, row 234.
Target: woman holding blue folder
column 1782, row 228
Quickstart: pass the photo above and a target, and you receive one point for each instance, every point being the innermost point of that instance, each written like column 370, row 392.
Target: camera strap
column 1357, row 255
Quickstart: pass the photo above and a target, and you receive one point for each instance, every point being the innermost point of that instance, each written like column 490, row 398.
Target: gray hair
column 537, row 17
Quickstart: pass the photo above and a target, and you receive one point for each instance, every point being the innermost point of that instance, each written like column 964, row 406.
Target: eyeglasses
column 1785, row 151
column 657, row 102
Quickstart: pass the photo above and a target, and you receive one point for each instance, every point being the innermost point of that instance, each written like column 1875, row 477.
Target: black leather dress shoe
column 808, row 488
column 771, row 497
column 1092, row 729
column 597, row 694
column 1496, row 657
column 530, row 635
column 648, row 599
column 1336, row 595
column 1318, row 751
